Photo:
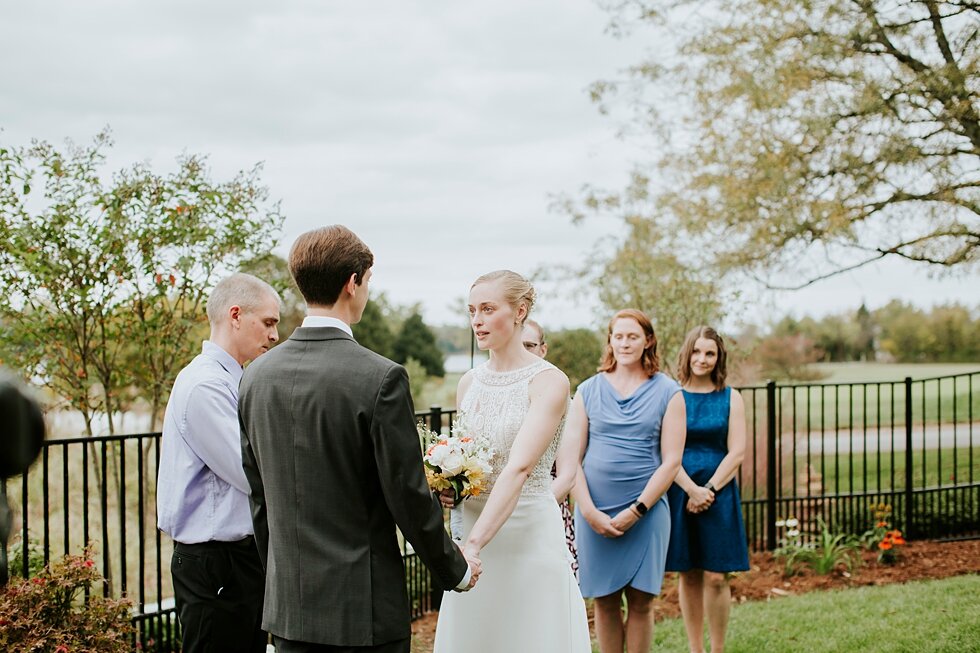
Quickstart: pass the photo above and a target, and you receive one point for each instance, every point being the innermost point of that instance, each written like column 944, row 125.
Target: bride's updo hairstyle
column 517, row 289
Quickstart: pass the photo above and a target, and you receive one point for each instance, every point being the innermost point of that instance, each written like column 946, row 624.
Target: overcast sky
column 438, row 131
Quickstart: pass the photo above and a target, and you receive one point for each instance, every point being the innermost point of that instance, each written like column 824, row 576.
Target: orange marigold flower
column 881, row 524
column 898, row 540
column 884, row 545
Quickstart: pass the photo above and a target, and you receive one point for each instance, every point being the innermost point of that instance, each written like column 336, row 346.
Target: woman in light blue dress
column 631, row 418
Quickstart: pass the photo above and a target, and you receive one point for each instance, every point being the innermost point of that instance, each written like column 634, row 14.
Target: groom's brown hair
column 321, row 261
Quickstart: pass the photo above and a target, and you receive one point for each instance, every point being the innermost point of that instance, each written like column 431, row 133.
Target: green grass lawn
column 861, row 372
column 930, row 468
column 880, row 396
column 940, row 616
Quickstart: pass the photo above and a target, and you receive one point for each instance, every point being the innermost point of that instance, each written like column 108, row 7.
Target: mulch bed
column 918, row 561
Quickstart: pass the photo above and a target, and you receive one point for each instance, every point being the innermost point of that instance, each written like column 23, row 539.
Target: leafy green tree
column 416, row 340
column 795, row 140
column 957, row 334
column 787, row 358
column 374, row 330
column 905, row 332
column 102, row 283
column 576, row 352
column 645, row 273
column 417, row 378
column 864, row 341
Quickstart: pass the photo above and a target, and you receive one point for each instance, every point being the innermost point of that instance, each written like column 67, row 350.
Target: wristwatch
column 640, row 507
column 709, row 486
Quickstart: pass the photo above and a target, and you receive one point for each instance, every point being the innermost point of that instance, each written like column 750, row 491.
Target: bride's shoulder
column 550, row 379
column 464, row 384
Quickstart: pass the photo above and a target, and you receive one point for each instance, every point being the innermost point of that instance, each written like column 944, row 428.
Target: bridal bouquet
column 455, row 461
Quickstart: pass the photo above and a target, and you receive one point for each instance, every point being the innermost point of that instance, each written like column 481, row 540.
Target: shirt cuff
column 463, row 584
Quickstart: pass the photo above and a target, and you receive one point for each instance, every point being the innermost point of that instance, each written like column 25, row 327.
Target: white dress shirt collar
column 324, row 321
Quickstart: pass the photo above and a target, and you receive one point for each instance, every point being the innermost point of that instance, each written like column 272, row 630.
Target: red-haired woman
column 631, row 418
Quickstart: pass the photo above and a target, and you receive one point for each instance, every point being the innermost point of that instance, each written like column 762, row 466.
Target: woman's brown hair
column 720, row 372
column 650, row 360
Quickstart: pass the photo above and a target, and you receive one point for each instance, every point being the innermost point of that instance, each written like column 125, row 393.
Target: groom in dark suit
column 333, row 460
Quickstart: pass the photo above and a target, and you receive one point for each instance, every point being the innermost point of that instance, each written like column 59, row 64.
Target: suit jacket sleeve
column 256, row 497
column 413, row 506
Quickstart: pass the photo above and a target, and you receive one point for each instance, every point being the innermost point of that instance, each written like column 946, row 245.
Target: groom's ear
column 351, row 286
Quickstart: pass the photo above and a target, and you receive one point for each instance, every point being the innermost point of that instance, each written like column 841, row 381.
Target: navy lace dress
column 713, row 540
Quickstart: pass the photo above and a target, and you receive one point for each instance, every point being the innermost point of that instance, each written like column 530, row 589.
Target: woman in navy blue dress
column 707, row 536
column 631, row 418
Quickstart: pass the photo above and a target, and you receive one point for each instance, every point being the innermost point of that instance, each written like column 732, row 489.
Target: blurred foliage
column 795, row 140
column 576, row 352
column 103, row 283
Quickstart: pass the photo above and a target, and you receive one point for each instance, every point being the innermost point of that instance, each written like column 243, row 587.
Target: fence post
column 435, row 419
column 770, row 465
column 435, row 594
column 908, row 458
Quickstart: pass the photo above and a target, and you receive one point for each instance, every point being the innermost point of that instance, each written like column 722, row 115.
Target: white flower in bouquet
column 458, row 461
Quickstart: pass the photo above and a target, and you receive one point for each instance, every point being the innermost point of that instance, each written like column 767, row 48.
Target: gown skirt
column 527, row 598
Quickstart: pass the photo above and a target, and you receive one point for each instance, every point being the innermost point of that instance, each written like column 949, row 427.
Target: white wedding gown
column 527, row 598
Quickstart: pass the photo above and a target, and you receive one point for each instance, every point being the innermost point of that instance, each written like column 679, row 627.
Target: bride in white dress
column 527, row 598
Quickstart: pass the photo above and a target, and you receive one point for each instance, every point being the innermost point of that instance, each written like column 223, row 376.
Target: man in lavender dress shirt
column 202, row 493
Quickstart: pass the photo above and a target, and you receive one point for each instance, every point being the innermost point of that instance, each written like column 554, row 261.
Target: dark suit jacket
column 333, row 460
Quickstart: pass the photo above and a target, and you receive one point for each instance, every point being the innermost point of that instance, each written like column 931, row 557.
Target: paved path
column 934, row 436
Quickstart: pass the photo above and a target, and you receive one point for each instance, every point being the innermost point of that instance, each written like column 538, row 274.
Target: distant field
column 862, row 372
column 855, row 395
column 822, row 405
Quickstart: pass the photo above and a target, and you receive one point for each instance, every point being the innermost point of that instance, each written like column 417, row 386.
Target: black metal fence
column 814, row 451
column 827, row 452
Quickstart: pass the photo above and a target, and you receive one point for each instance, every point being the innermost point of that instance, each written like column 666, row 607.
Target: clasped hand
column 615, row 526
column 700, row 499
column 472, row 556
column 448, row 500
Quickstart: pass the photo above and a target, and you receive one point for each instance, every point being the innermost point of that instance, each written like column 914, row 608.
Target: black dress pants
column 290, row 646
column 219, row 587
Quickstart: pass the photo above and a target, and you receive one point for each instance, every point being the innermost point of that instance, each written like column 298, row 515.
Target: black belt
column 244, row 543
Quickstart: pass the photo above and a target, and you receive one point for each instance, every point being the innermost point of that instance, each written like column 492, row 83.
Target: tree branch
column 828, row 275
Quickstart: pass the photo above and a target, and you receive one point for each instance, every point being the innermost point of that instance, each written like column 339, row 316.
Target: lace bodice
column 494, row 407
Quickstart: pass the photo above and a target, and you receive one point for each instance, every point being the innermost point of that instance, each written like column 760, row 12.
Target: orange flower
column 884, row 545
column 898, row 540
column 881, row 524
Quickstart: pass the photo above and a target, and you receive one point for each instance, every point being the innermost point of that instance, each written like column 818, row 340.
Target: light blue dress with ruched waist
column 623, row 453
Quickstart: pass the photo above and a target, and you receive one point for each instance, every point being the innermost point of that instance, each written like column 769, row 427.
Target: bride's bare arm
column 567, row 461
column 549, row 399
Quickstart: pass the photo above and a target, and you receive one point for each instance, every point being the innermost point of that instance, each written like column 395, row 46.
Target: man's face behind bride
column 494, row 321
